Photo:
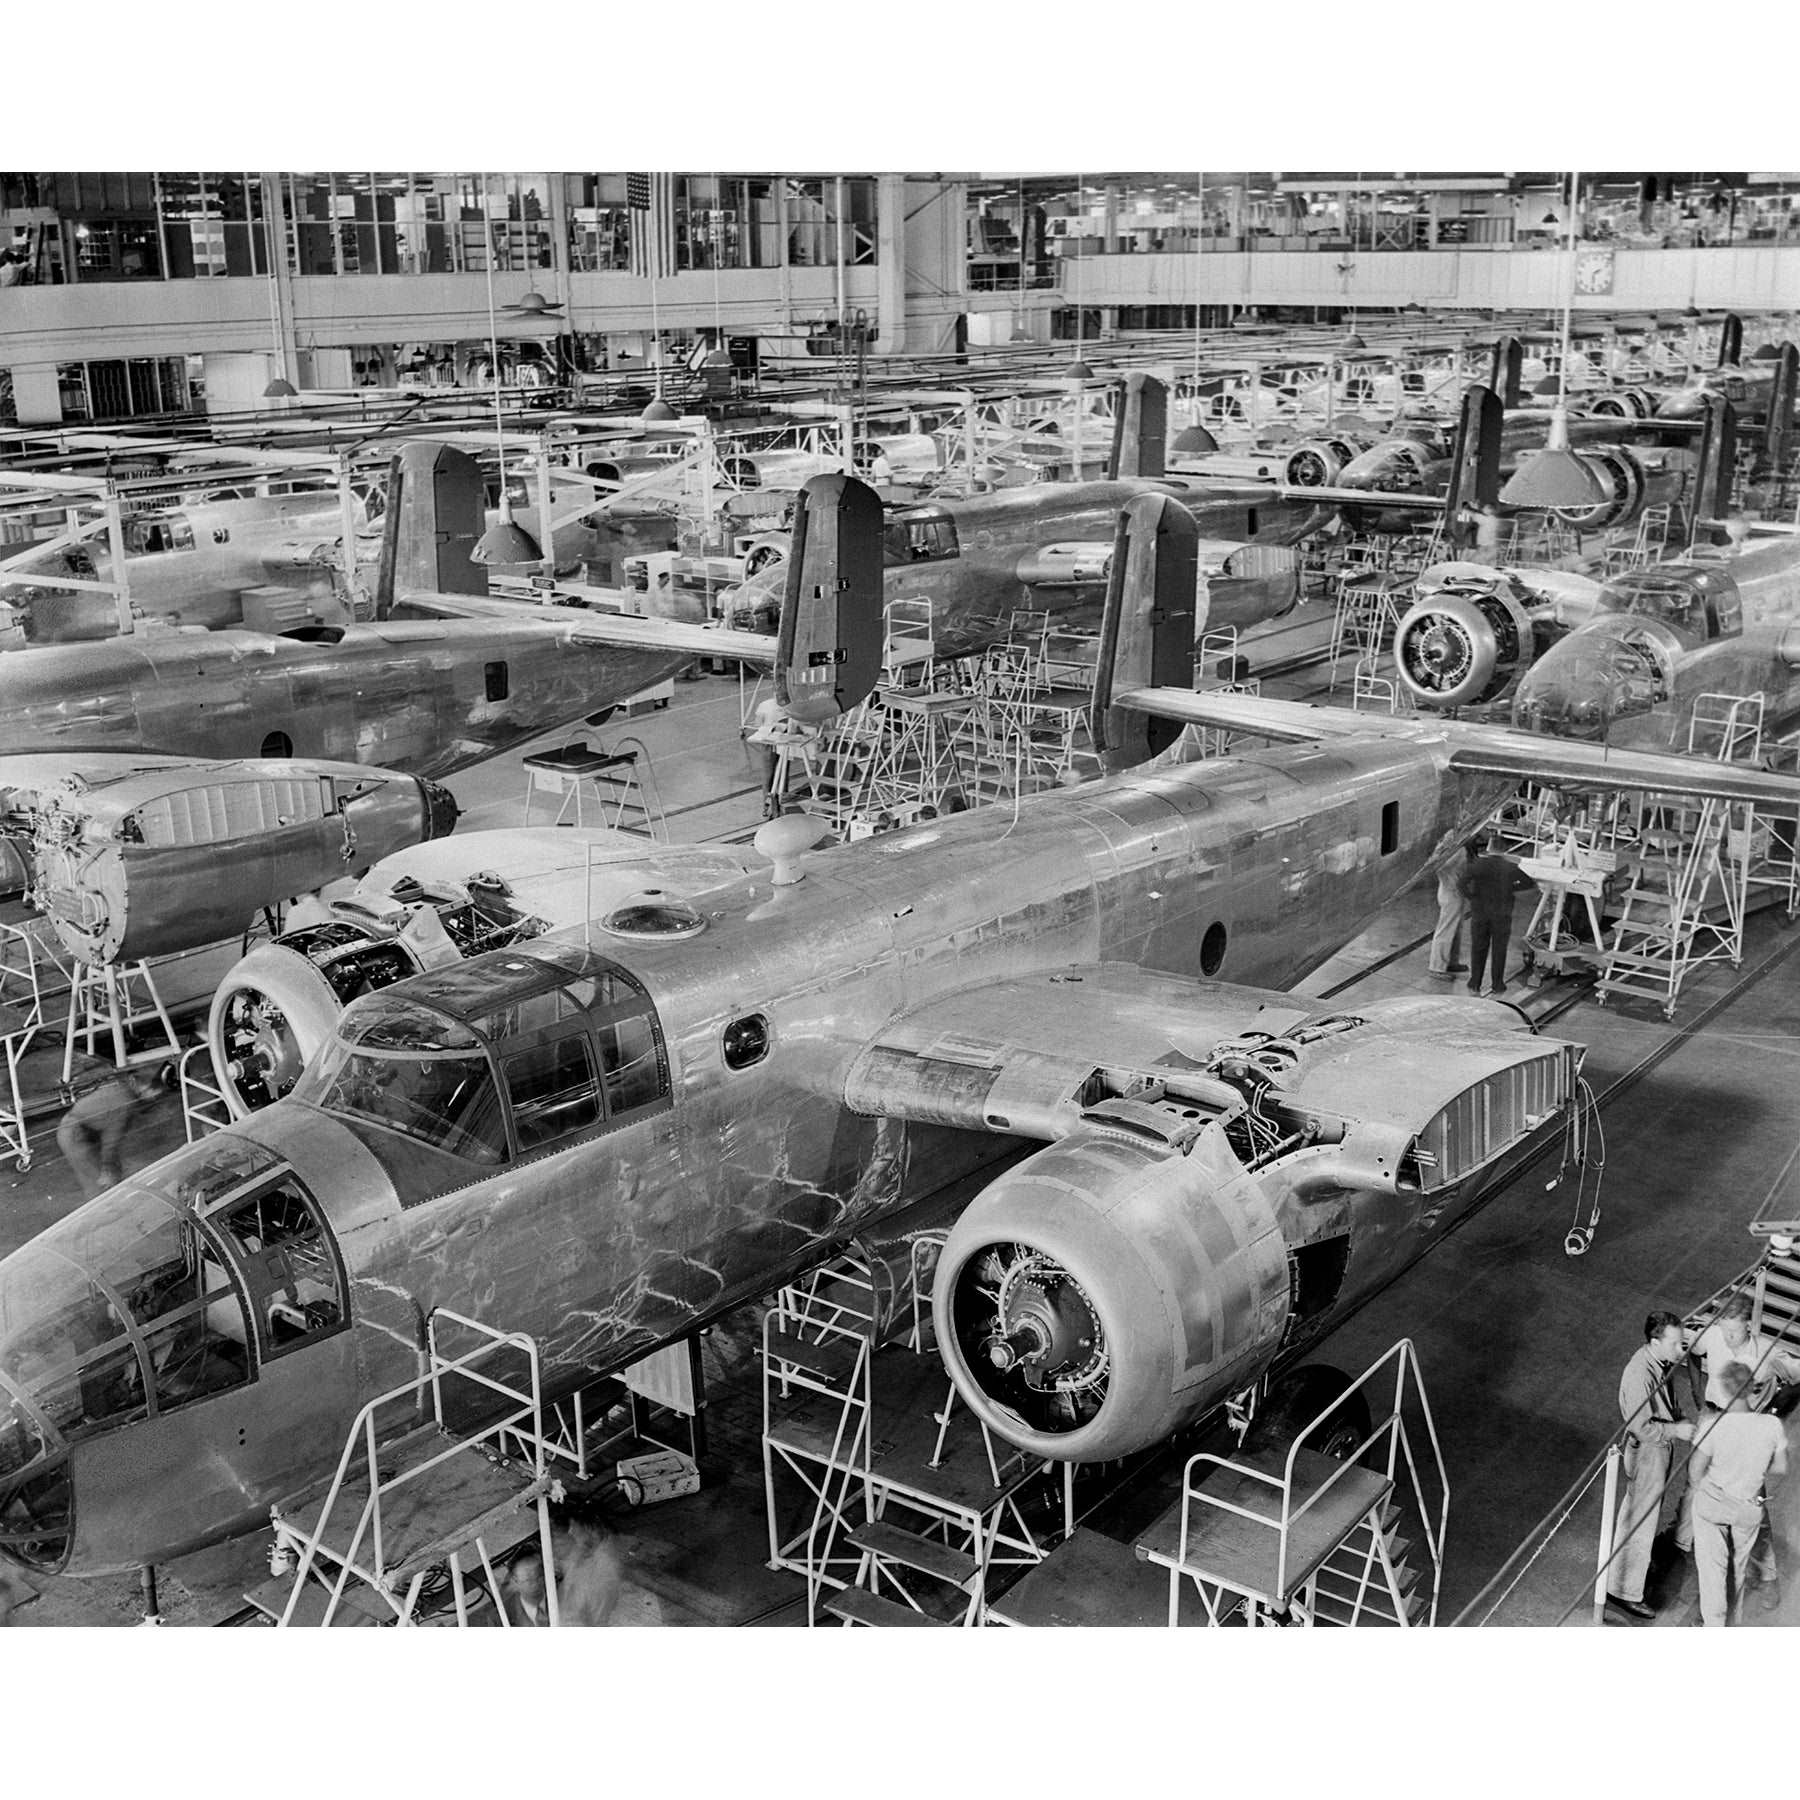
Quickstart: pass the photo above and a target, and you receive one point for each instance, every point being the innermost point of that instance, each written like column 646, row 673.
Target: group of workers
column 1737, row 1453
column 1478, row 886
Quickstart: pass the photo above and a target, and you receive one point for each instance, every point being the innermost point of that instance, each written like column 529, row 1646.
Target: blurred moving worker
column 1453, row 908
column 1739, row 1455
column 1489, row 884
column 93, row 1130
column 1651, row 1432
column 589, row 1580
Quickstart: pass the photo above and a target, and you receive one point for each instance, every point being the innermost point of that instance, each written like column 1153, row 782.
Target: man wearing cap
column 1489, row 884
column 1651, row 1432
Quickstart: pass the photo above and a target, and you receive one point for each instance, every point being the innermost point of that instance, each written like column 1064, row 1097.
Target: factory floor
column 1520, row 1345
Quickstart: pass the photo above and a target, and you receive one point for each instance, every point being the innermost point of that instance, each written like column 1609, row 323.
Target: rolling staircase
column 1689, row 894
column 891, row 1502
column 407, row 1515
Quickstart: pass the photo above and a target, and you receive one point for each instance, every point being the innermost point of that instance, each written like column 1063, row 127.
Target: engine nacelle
column 1111, row 1288
column 1622, row 403
column 1319, row 461
column 1624, row 483
column 1463, row 646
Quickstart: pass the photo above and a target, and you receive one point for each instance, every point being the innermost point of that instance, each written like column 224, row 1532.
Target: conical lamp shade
column 1555, row 476
column 1196, row 440
column 280, row 389
column 658, row 412
column 1078, row 371
column 505, row 543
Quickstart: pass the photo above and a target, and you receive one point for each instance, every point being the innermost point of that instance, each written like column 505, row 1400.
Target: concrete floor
column 1520, row 1345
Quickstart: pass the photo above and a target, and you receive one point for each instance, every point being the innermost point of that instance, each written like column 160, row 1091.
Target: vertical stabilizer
column 1147, row 632
column 1475, row 461
column 1731, row 341
column 1778, row 429
column 435, row 514
column 1717, row 460
column 832, row 622
column 1504, row 377
column 1140, row 429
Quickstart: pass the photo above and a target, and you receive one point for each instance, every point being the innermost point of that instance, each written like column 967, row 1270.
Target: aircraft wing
column 1033, row 1056
column 1476, row 749
column 629, row 630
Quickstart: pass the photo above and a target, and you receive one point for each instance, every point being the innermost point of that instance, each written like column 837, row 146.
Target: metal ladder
column 21, row 1018
column 1687, row 902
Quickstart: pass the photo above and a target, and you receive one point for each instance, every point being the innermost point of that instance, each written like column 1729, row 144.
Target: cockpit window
column 632, row 1065
column 387, row 1022
column 158, row 533
column 918, row 537
column 449, row 1102
column 553, row 1091
column 288, row 1268
column 1673, row 601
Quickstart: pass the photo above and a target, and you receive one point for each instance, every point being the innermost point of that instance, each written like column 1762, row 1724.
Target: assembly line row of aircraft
column 612, row 1131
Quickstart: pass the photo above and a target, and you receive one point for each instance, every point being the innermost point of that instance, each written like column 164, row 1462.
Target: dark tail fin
column 1475, row 461
column 435, row 514
column 832, row 621
column 1140, row 429
column 1717, row 459
column 1147, row 631
column 1504, row 377
column 1779, row 427
column 1731, row 341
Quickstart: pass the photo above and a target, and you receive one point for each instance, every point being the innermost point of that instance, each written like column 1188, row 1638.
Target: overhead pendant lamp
column 1079, row 371
column 280, row 389
column 503, row 543
column 1555, row 476
column 659, row 411
column 1194, row 440
column 1353, row 340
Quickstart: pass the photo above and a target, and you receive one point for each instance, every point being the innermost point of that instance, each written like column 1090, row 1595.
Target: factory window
column 117, row 389
column 392, row 222
column 1390, row 828
column 831, row 220
column 212, row 223
column 599, row 223
column 725, row 222
column 553, row 1090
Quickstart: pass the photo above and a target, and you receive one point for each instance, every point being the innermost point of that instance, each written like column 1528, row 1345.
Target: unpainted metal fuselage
column 974, row 594
column 629, row 1237
column 1635, row 680
column 427, row 698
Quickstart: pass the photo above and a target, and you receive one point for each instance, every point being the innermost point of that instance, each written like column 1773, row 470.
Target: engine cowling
column 1463, row 646
column 1319, row 461
column 277, row 1006
column 1623, row 403
column 1623, row 480
column 1110, row 1289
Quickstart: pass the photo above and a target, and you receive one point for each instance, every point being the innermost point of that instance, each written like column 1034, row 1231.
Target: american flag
column 650, row 200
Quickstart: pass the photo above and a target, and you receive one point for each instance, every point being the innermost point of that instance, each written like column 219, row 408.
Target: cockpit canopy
column 156, row 533
column 1699, row 601
column 919, row 534
column 178, row 1284
column 508, row 1055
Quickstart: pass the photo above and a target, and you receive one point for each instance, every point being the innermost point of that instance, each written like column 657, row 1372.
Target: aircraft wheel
column 1297, row 1398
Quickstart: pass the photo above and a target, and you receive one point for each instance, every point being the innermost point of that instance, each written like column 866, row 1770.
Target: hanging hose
column 1584, row 1147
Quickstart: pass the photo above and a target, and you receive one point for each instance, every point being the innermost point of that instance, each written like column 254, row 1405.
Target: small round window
column 277, row 744
column 1212, row 949
column 746, row 1041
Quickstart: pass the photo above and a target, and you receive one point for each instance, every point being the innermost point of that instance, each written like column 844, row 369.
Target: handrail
column 363, row 1428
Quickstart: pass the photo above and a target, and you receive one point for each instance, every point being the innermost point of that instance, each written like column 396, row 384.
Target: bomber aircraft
column 1622, row 666
column 609, row 1134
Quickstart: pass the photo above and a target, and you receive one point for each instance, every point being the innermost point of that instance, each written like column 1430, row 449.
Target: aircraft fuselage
column 722, row 1180
column 426, row 698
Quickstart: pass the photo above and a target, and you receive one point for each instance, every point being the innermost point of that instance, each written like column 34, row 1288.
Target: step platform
column 1243, row 1553
column 1088, row 1579
column 465, row 1497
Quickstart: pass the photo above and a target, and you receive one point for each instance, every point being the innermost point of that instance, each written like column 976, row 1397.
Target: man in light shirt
column 1737, row 1456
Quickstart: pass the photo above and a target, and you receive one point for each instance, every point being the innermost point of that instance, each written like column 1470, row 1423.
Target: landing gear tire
column 1297, row 1398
